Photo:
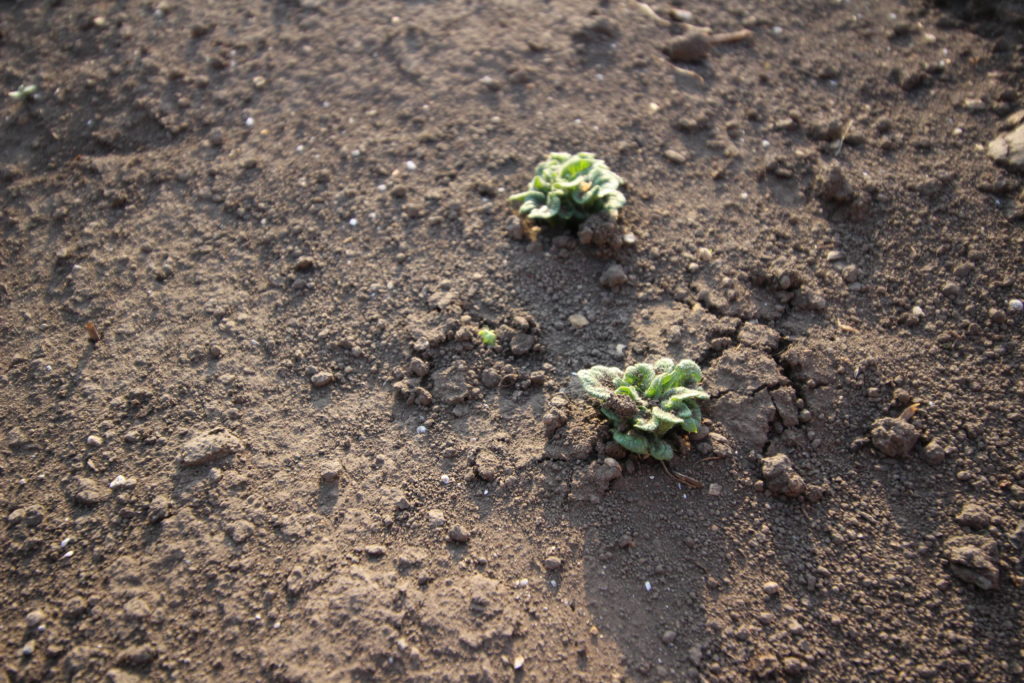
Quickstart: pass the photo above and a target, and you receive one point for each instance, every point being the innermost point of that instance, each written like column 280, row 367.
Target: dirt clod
column 893, row 437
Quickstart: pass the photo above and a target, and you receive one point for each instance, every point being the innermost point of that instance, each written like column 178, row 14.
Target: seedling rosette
column 566, row 189
column 646, row 403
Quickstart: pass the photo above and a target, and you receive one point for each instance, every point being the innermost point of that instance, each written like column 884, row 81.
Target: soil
column 289, row 457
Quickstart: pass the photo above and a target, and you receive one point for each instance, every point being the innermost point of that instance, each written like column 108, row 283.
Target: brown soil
column 290, row 458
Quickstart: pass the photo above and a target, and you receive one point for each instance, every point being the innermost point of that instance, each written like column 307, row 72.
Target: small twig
column 688, row 73
column 710, row 458
column 909, row 412
column 731, row 37
column 681, row 478
column 649, row 11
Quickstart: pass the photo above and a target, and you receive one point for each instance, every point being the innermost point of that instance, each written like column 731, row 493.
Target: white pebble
column 647, row 585
column 300, row 148
column 1015, row 305
column 445, row 479
column 64, row 543
column 353, row 222
column 421, row 430
column 777, row 30
column 382, row 188
column 554, row 584
column 411, row 165
column 250, row 122
column 67, row 555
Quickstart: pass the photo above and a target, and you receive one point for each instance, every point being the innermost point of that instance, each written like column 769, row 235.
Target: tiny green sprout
column 566, row 189
column 487, row 336
column 646, row 402
column 23, row 92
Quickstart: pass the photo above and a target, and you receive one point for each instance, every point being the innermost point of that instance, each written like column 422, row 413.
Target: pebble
column 771, row 588
column 834, row 255
column 950, row 289
column 375, row 550
column 89, row 491
column 159, row 509
column 704, row 254
column 458, row 534
column 34, row 618
column 668, row 637
column 552, row 563
column 578, row 320
column 675, row 156
column 305, row 264
column 517, row 664
column 94, row 441
column 435, row 518
column 418, row 367
column 692, row 46
column 330, row 473
column 1015, row 305
column 322, row 379
column 1008, row 149
column 715, row 490
column 613, row 276
column 122, row 482
column 209, row 448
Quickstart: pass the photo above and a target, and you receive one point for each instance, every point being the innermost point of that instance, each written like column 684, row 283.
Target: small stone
column 715, row 490
column 457, row 534
column 771, row 588
column 122, row 482
column 1015, row 305
column 676, row 157
column 552, row 563
column 321, row 379
column 89, row 491
column 305, row 264
column 973, row 516
column 34, row 618
column 578, row 320
column 418, row 367
column 518, row 662
column 613, row 276
column 974, row 559
column 893, row 437
column 1007, row 149
column 137, row 608
column 375, row 550
column 950, row 289
column 704, row 254
column 934, row 452
column 209, row 448
column 831, row 185
column 330, row 473
column 692, row 46
column 30, row 516
column 780, row 477
column 241, row 530
column 94, row 441
column 834, row 255
column 668, row 637
column 136, row 656
column 521, row 344
column 435, row 518
column 159, row 509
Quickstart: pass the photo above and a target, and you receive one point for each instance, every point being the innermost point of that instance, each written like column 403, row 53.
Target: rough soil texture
column 289, row 457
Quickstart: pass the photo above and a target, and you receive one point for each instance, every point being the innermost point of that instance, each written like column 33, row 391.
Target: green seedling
column 23, row 92
column 566, row 189
column 487, row 337
column 646, row 403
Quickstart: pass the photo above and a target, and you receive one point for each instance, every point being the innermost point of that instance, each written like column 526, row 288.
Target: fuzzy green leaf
column 634, row 443
column 659, row 449
column 691, row 425
column 665, row 419
column 630, row 391
column 600, row 381
column 639, row 376
column 664, row 365
column 646, row 424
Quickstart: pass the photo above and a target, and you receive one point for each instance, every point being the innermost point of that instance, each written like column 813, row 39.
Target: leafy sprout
column 566, row 189
column 23, row 92
column 487, row 336
column 645, row 403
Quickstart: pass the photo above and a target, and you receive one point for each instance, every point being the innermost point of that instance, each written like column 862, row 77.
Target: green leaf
column 634, row 443
column 639, row 376
column 691, row 425
column 542, row 213
column 690, row 373
column 600, row 381
column 608, row 413
column 660, row 450
column 687, row 393
column 646, row 424
column 664, row 365
column 677, row 406
column 631, row 392
column 666, row 420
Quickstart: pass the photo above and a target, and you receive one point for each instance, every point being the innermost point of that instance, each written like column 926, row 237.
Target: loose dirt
column 290, row 458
